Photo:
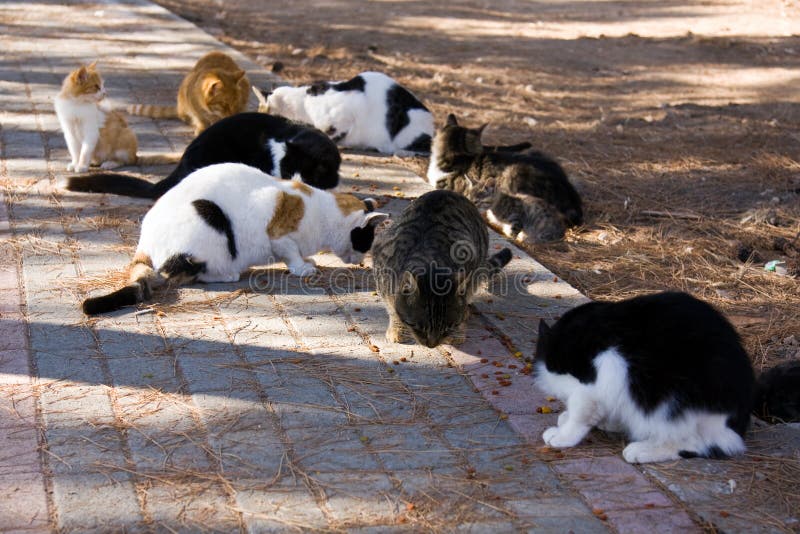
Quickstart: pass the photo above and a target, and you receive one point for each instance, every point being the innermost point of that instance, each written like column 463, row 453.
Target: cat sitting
column 95, row 134
column 667, row 369
column 224, row 218
column 215, row 88
column 529, row 196
column 428, row 265
column 370, row 111
column 275, row 145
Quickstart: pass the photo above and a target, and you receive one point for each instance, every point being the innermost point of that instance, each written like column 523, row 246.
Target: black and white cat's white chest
column 667, row 369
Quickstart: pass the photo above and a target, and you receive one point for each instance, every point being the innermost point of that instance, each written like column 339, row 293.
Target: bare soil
column 678, row 120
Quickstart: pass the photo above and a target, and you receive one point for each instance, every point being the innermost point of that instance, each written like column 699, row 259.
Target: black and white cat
column 369, row 111
column 667, row 369
column 275, row 145
column 224, row 218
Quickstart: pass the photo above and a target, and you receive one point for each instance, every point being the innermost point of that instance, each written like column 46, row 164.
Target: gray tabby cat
column 527, row 193
column 428, row 265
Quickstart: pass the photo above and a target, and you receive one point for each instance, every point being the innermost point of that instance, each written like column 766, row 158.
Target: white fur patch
column 278, row 151
column 608, row 403
column 434, row 172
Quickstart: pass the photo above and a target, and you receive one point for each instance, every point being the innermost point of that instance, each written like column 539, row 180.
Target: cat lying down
column 225, row 218
column 370, row 111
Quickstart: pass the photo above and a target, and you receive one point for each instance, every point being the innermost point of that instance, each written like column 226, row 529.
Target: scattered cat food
column 508, row 467
column 373, row 348
column 484, row 360
column 497, row 364
column 403, row 359
column 351, row 328
column 600, row 514
column 555, row 279
column 551, row 399
column 544, row 409
column 356, row 310
column 512, row 366
column 495, row 392
column 503, row 416
column 395, row 362
column 484, row 375
column 364, row 439
column 410, row 506
column 518, row 354
column 389, row 370
column 723, row 513
column 395, row 188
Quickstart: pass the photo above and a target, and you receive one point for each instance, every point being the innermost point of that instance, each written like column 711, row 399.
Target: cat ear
column 451, row 120
column 543, row 328
column 261, row 96
column 80, row 75
column 408, row 283
column 479, row 130
column 370, row 204
column 375, row 218
column 211, row 85
column 238, row 75
column 92, row 65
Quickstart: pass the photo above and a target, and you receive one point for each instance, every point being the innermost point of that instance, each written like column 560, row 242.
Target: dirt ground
column 679, row 121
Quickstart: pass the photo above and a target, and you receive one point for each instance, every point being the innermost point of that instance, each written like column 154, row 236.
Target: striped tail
column 156, row 112
column 159, row 159
column 142, row 279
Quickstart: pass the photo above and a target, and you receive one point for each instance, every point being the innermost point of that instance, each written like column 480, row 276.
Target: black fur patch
column 713, row 452
column 216, row 219
column 500, row 259
column 127, row 296
column 399, row 102
column 421, row 144
column 353, row 84
column 182, row 264
column 362, row 238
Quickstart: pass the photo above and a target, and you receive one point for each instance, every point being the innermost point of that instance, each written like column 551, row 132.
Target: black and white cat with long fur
column 371, row 110
column 667, row 369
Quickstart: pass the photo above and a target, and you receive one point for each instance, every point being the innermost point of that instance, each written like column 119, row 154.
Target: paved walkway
column 266, row 406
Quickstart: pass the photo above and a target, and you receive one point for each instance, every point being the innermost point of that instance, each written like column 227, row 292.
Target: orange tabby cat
column 214, row 89
column 96, row 134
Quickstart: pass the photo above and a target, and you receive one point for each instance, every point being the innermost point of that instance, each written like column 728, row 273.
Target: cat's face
column 362, row 233
column 453, row 139
column 222, row 91
column 432, row 306
column 318, row 156
column 85, row 84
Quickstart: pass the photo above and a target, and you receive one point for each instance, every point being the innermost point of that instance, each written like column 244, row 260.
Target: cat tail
column 777, row 394
column 142, row 278
column 159, row 159
column 116, row 183
column 499, row 260
column 153, row 111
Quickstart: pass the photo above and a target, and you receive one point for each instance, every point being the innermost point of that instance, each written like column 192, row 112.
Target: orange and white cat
column 214, row 89
column 96, row 134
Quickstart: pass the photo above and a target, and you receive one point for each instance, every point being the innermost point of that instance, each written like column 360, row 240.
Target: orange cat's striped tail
column 156, row 112
column 159, row 159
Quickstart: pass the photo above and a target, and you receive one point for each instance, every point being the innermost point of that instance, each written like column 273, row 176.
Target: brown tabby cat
column 214, row 89
column 95, row 134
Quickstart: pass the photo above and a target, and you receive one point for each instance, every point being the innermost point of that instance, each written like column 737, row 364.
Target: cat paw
column 555, row 437
column 642, row 452
column 70, row 167
column 81, row 168
column 394, row 335
column 110, row 165
column 303, row 270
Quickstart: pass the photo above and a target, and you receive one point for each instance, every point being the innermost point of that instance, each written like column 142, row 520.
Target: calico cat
column 214, row 89
column 95, row 134
column 272, row 144
column 428, row 265
column 529, row 196
column 667, row 369
column 224, row 218
column 369, row 111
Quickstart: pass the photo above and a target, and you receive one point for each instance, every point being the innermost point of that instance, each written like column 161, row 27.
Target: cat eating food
column 529, row 196
column 275, row 145
column 667, row 369
column 95, row 134
column 224, row 218
column 429, row 264
column 369, row 111
column 215, row 88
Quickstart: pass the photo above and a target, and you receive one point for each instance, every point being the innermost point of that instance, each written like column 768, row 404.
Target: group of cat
column 254, row 188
